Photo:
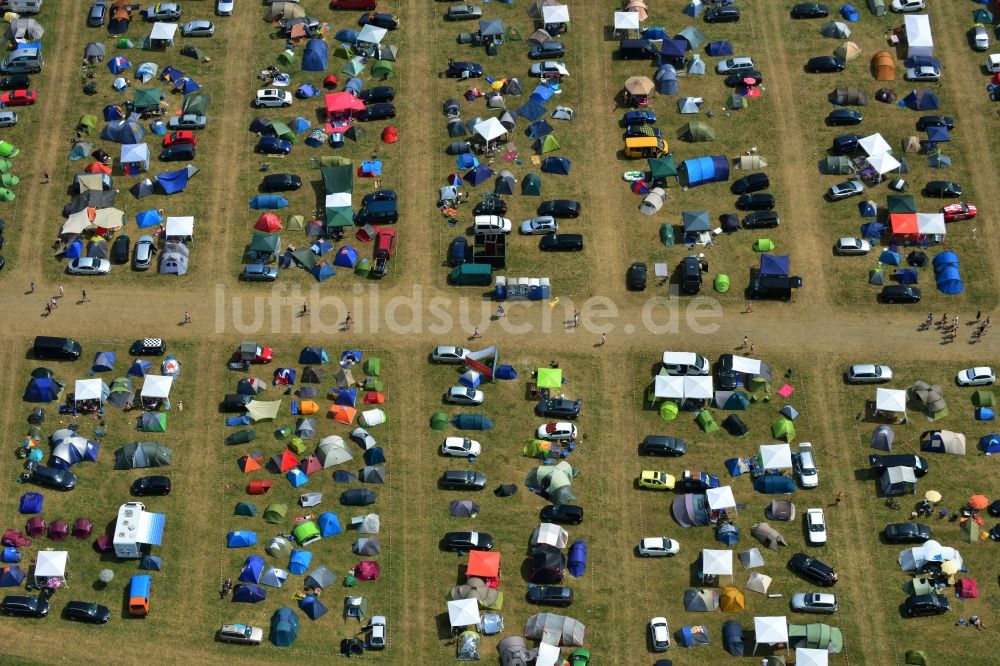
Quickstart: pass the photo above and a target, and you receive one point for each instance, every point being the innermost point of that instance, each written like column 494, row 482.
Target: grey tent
column 305, row 428
column 508, row 120
column 513, row 652
column 732, row 638
column 693, row 36
column 696, row 221
column 701, row 601
column 458, row 147
column 150, row 422
column 882, row 438
column 94, row 51
column 539, row 37
column 876, row 276
column 366, row 546
column 463, row 509
column 697, row 66
column 320, row 577
column 850, row 96
column 357, row 497
column 456, row 128
column 310, row 499
column 767, row 535
column 491, row 27
column 696, row 130
column 504, row 183
column 689, row 104
column 789, row 412
column 555, row 629
column 897, row 481
column 780, row 510
column 452, row 108
column 193, row 52
column 345, row 378
column 835, row 30
column 666, row 80
column 24, row 30
column 751, row 559
column 139, row 455
column 122, row 392
column 151, row 563
column 835, row 165
column 512, row 87
column 197, row 102
column 372, row 474
column 563, row 113
column 366, row 524
column 311, row 375
column 495, row 101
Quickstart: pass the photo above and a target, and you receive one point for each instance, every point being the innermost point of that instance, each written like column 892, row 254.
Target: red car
column 179, row 138
column 18, row 98
column 367, row 5
column 959, row 211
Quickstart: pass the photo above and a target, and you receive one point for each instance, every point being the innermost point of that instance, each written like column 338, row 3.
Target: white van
column 685, row 364
column 25, row 60
column 22, row 6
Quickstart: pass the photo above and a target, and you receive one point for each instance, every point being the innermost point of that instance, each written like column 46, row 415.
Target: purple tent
column 82, row 528
column 577, row 562
column 35, row 527
column 479, row 175
column 59, row 530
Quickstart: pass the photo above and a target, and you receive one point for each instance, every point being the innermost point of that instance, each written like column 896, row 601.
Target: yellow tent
column 732, row 600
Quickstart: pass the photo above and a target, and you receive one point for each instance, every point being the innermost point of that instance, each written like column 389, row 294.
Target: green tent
column 283, row 131
column 192, row 52
column 297, row 446
column 758, row 384
column 662, row 167
column 382, row 69
column 263, row 242
column 696, row 130
column 10, row 180
column 549, row 378
column 196, row 102
column 722, row 283
column 125, row 43
column 305, row 258
column 548, row 144
column 287, row 58
column 146, row 98
column 246, row 509
column 984, row 399
column 668, row 411
column 306, row 532
column 373, row 366
column 363, row 267
column 275, row 513
column 901, row 203
column 241, row 437
column 6, row 165
column 339, row 217
column 343, row 51
column 835, row 165
column 706, row 421
column 783, row 429
column 337, row 178
column 334, row 160
column 373, row 384
column 983, row 16
column 917, row 657
column 353, row 67
column 296, row 223
column 667, row 234
column 737, row 101
column 763, row 245
column 531, row 185
column 732, row 400
column 152, row 422
column 513, row 34
column 536, row 448
column 439, row 421
column 87, row 123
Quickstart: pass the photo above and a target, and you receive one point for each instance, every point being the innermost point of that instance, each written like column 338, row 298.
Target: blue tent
column 268, row 201
column 985, row 414
column 472, row 422
column 241, row 539
column 774, row 264
column 11, row 555
column 558, row 165
column 313, row 356
column 728, row 534
column 321, row 247
column 306, row 90
column 113, row 112
column 921, row 100
column 75, row 250
column 346, row 256
column 11, row 576
column 374, row 456
column 906, row 276
column 702, row 170
column 479, row 175
column 531, row 110
column 284, row 627
column 946, row 273
column 299, row 562
column 31, row 503
column 173, row 182
column 312, row 607
column 939, row 161
column 148, row 218
column 118, row 64
column 329, row 524
column 938, row 134
column 151, row 563
column 576, row 562
column 693, row 636
column 103, row 362
column 187, row 85
column 171, row 74
column 541, row 94
column 654, row 32
column 666, row 80
column 322, row 270
column 357, row 497
column 990, row 443
column 674, row 49
column 732, row 638
column 889, row 257
column 296, row 477
column 139, row 368
column 506, row 372
column 314, row 58
column 347, row 36
column 771, row 484
column 867, row 209
column 539, row 129
column 719, row 48
column 122, row 131
column 354, row 86
column 300, row 125
column 344, row 396
column 466, row 161
column 249, row 593
column 872, row 230
column 42, row 389
column 850, row 13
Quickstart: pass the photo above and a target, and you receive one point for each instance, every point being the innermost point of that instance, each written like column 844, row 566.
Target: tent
column 315, row 57
column 555, row 629
column 696, row 131
column 770, row 631
column 284, row 626
column 921, row 100
column 767, row 535
column 531, row 185
column 689, row 105
column 848, row 97
column 897, row 481
column 919, row 41
column 835, row 30
column 141, row 455
column 732, row 600
column 246, row 509
column 152, row 422
column 719, row 49
column 882, row 438
column 946, row 273
column 328, row 524
column 783, row 429
column 751, row 559
column 556, row 165
column 693, row 636
column 310, row 605
column 666, row 80
column 883, row 66
column 11, row 576
column 703, row 170
column 732, row 637
column 692, row 36
column 943, row 441
column 275, row 513
column 847, row 51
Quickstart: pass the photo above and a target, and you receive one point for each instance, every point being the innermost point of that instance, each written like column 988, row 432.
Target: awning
column 163, row 31
column 490, row 129
column 748, row 365
column 156, row 386
column 874, row 144
column 626, row 21
column 180, row 226
column 150, row 529
column 890, row 400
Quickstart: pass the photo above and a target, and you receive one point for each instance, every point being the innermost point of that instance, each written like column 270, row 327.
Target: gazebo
column 891, row 401
column 717, row 563
column 771, row 631
column 721, row 499
column 776, row 456
column 50, row 564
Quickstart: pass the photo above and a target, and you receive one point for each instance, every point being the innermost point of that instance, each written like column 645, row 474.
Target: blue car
column 463, row 70
column 458, row 251
column 638, row 118
column 272, row 145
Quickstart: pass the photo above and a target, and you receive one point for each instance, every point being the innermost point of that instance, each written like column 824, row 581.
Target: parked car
column 737, row 79
column 805, row 466
column 52, row 477
column 462, row 480
column 690, row 275
column 959, row 211
column 85, row 611
column 901, row 6
column 906, row 533
column 925, row 604
column 491, row 224
column 917, row 463
column 151, row 485
column 454, row 541
column 224, row 7
column 378, row 195
column 189, row 121
column 165, row 11
column 20, row 604
column 15, row 82
column 825, row 65
column 761, row 219
column 898, row 293
column 755, row 201
column 120, row 249
column 180, row 153
column 142, row 256
column 259, row 273
column 935, row 121
column 377, row 633
column 463, row 12
column 868, row 373
column 696, row 482
column 366, row 5
column 88, row 266
column 458, row 69
column 753, row 182
column 839, row 117
column 272, row 97
column 559, row 408
column 725, row 374
column 849, row 245
column 19, row 98
column 810, row 10
column 460, row 395
column 979, row 376
column 280, row 182
column 659, row 634
column 556, row 431
column 550, row 595
column 97, row 14
column 569, row 514
column 560, row 208
column 543, row 224
column 943, row 189
column 381, row 111
column 493, row 205
column 813, row 569
column 180, row 137
column 815, row 527
column 849, row 188
column 635, row 277
column 272, row 145
column 814, row 602
column 658, row 547
column 379, row 20
column 737, row 64
column 198, row 28
column 148, row 347
column 458, row 251
column 549, row 49
column 548, row 68
column 377, row 95
column 926, row 73
column 845, row 144
column 639, row 117
column 662, row 445
column 656, row 480
column 240, row 633
column 448, row 354
column 725, row 14
column 561, row 243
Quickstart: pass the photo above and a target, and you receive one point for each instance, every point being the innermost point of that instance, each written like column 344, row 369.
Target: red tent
column 342, row 105
column 82, row 528
column 103, row 544
column 390, row 134
column 97, row 167
column 258, row 487
column 35, row 527
column 342, row 414
column 310, row 464
column 483, row 564
column 367, row 570
column 249, row 464
column 966, row 588
column 285, row 461
column 330, row 82
column 59, row 530
column 374, row 398
column 268, row 222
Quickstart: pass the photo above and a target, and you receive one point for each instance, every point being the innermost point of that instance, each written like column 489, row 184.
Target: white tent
column 77, row 223
column 371, row 34
column 770, row 630
column 668, row 386
column 109, row 218
column 883, row 163
column 717, row 562
column 698, row 387
column 463, row 612
column 758, row 582
column 750, row 366
column 163, row 31
column 50, row 564
column 751, row 559
column 912, row 559
column 550, row 535
column 261, row 410
column 135, row 153
column 720, row 498
column 156, row 386
column 89, row 389
column 490, row 129
column 931, row 223
column 776, row 456
column 919, row 41
column 548, row 655
column 626, row 21
column 811, row 657
column 890, row 400
column 180, row 226
column 873, row 144
column 555, row 14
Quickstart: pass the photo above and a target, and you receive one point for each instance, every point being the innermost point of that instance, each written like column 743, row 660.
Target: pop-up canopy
column 770, row 630
column 776, row 456
column 890, row 400
column 156, row 386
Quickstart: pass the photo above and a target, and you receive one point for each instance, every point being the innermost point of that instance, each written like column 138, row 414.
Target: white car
column 908, row 5
column 557, row 431
column 448, row 354
column 814, row 602
column 868, row 373
column 846, row 189
column 8, row 118
column 460, row 447
column 544, row 224
column 925, row 73
column 993, row 63
column 89, row 266
column 491, row 224
column 658, row 547
column 737, row 64
column 815, row 527
column 272, row 97
column 549, row 68
column 224, row 7
column 659, row 634
column 981, row 376
column 460, row 395
column 850, row 245
column 805, row 466
column 198, row 28
column 376, row 633
column 241, row 633
column 980, row 38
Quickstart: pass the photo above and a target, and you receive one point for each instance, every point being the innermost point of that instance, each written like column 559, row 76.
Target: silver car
column 868, row 373
column 463, row 12
column 459, row 395
column 846, row 189
column 925, row 73
column 259, row 273
column 145, row 248
column 241, row 633
column 448, row 354
column 8, row 118
column 89, row 266
column 189, row 121
column 224, row 7
column 199, row 28
column 543, row 224
column 814, row 602
column 851, row 245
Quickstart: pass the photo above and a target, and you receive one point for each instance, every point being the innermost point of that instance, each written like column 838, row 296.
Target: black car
column 635, row 278
column 935, row 121
column 810, row 10
column 737, row 79
column 546, row 50
column 844, row 117
column 377, row 112
column 272, row 145
column 907, row 533
column 490, row 206
column 377, row 95
column 943, row 189
column 61, row 349
column 280, row 182
column 925, row 604
column 725, row 375
column 845, row 144
column 463, row 70
column 813, row 570
column 120, row 249
column 151, row 485
column 379, row 20
column 728, row 14
column 900, row 293
column 455, row 541
column 462, row 480
column 15, row 82
column 753, row 182
column 633, row 131
column 825, row 65
column 755, row 201
column 561, row 243
column 51, row 477
column 915, row 462
column 690, row 275
column 177, row 153
column 662, row 445
column 84, row 611
column 568, row 514
column 560, row 408
column 688, row 485
column 761, row 219
column 550, row 595
column 560, row 208
column 20, row 604
column 378, row 195
column 458, row 251
column 148, row 347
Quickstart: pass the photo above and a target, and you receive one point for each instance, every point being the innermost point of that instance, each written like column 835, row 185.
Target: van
column 138, row 595
column 645, row 146
column 383, row 211
column 59, row 349
column 680, row 364
column 635, row 49
column 472, row 274
column 25, row 60
column 774, row 287
column 22, row 6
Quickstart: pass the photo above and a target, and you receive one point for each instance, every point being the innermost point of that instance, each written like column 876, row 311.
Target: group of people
column 949, row 329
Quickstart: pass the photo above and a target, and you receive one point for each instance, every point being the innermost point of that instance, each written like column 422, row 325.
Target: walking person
column 187, row 317
column 61, row 292
column 944, row 319
column 604, row 338
column 929, row 321
column 576, row 318
column 746, row 341
column 954, row 322
column 31, row 288
column 48, row 308
column 476, row 334
column 52, row 303
column 839, row 498
column 305, row 309
column 348, row 321
column 979, row 314
column 749, row 307
column 84, row 299
column 45, row 178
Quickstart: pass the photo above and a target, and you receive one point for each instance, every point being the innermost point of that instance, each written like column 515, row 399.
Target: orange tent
column 978, row 502
column 98, row 167
column 308, row 407
column 342, row 414
column 884, row 66
column 268, row 222
column 390, row 134
column 483, row 564
column 249, row 464
column 374, row 398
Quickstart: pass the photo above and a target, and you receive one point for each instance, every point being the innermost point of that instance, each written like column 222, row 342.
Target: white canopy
column 883, row 163
column 555, row 14
column 180, row 226
column 770, row 630
column 626, row 21
column 548, row 655
column 717, row 562
column 931, row 223
column 109, row 218
column 490, row 129
column 463, row 612
column 262, row 410
column 698, row 387
column 88, row 389
column 748, row 365
column 811, row 657
column 720, row 498
column 51, row 564
column 919, row 41
column 550, row 534
column 776, row 456
column 874, row 144
column 156, row 386
column 668, row 386
column 371, row 34
column 890, row 400
column 164, row 31
column 338, row 200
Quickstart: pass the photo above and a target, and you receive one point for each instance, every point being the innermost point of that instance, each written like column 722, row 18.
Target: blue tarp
column 472, row 422
column 576, row 562
column 253, row 567
column 314, row 58
column 946, row 273
column 557, row 165
column 702, row 170
column 719, row 48
column 268, row 201
column 774, row 264
column 173, row 182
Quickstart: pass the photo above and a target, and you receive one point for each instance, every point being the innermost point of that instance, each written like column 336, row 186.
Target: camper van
column 774, row 287
column 645, row 146
column 24, row 60
column 472, row 274
column 22, row 6
column 138, row 595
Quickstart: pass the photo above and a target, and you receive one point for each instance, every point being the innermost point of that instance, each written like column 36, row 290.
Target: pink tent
column 310, row 465
column 59, row 530
column 35, row 527
column 103, row 544
column 342, row 105
column 367, row 570
column 966, row 588
column 82, row 528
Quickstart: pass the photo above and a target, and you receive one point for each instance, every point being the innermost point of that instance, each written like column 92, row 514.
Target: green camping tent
column 783, row 429
column 901, row 203
column 381, row 69
column 305, row 258
column 296, row 223
column 283, row 131
column 439, row 421
column 917, row 658
column 306, row 531
column 338, row 217
column 549, row 378
column 667, row 234
column 246, row 509
column 662, row 167
column 373, row 366
column 668, row 411
column 297, row 446
column 373, row 384
column 87, row 123
column 548, row 144
column 263, row 242
column 287, row 58
column 153, row 422
column 343, row 51
column 531, row 186
column 275, row 513
column 192, row 52
column 984, row 399
column 354, row 67
column 363, row 267
column 339, row 178
column 763, row 245
column 835, row 165
column 706, row 421
column 722, row 283
column 696, row 130
column 144, row 99
column 241, row 437
column 196, row 102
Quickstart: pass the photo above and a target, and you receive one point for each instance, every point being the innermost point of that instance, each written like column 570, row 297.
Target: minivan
column 690, row 275
column 472, row 274
column 25, row 60
column 60, row 349
column 645, row 146
column 378, row 212
column 636, row 49
column 777, row 287
column 138, row 595
column 177, row 153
